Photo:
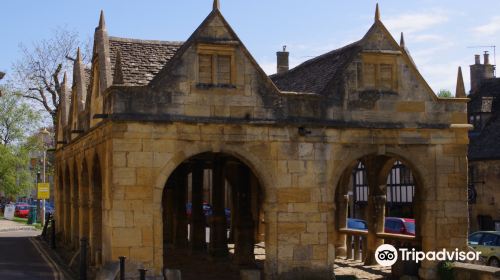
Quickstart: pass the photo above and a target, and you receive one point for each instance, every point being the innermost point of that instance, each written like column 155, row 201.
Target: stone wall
column 486, row 181
column 298, row 174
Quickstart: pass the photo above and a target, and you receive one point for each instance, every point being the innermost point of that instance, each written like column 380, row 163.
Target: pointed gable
column 214, row 31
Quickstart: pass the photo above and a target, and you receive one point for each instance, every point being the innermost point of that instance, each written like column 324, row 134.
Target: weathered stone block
column 293, row 195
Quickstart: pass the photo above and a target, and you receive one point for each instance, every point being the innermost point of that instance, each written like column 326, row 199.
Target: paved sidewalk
column 351, row 269
column 6, row 225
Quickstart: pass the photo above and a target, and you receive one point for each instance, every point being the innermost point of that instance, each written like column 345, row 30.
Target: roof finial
column 102, row 23
column 377, row 13
column 78, row 56
column 216, row 5
column 460, row 91
column 402, row 41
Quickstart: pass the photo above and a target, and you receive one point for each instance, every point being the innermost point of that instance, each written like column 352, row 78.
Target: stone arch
column 65, row 178
column 266, row 179
column 84, row 200
column 59, row 200
column 255, row 165
column 75, row 202
column 96, row 206
column 378, row 166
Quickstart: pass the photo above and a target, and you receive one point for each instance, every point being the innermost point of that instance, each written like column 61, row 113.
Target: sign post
column 43, row 194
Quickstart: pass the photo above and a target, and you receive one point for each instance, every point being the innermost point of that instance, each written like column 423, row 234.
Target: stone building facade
column 484, row 149
column 151, row 117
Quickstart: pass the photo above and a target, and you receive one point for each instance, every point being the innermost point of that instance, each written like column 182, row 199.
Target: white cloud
column 415, row 22
column 490, row 28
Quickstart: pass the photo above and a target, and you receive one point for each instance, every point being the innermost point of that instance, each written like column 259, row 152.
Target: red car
column 400, row 226
column 22, row 210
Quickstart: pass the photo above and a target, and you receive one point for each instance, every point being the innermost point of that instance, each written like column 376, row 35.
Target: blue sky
column 437, row 33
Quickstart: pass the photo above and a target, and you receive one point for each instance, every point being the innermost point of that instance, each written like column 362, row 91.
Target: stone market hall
column 186, row 155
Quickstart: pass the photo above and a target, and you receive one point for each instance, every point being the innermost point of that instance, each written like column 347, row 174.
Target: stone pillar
column 342, row 246
column 197, row 228
column 218, row 231
column 180, row 216
column 84, row 217
column 376, row 217
column 244, row 238
column 376, row 204
column 75, row 219
column 67, row 217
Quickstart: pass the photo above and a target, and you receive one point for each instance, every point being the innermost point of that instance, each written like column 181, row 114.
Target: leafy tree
column 15, row 176
column 444, row 93
column 40, row 71
column 17, row 121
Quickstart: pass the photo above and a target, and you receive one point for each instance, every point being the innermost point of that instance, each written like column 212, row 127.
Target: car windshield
column 22, row 207
column 410, row 227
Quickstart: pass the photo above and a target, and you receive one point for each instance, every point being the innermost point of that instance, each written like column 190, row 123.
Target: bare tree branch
column 39, row 72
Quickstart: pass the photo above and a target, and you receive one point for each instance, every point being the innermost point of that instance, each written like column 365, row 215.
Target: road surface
column 22, row 257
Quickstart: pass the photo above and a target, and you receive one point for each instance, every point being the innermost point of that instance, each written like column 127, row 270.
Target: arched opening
column 66, row 203
column 96, row 214
column 75, row 225
column 212, row 218
column 59, row 202
column 376, row 204
column 84, row 202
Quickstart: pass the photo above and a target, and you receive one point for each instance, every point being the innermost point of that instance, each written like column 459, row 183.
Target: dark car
column 400, row 226
column 356, row 224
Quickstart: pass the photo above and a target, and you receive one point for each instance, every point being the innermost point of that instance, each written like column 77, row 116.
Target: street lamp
column 44, row 133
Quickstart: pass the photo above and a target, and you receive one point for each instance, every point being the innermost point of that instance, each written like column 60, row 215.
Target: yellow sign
column 43, row 191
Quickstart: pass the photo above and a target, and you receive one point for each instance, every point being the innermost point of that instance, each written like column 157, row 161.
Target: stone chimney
column 486, row 58
column 282, row 59
column 480, row 72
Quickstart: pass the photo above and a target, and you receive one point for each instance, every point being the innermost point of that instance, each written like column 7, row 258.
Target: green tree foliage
column 444, row 93
column 17, row 121
column 15, row 175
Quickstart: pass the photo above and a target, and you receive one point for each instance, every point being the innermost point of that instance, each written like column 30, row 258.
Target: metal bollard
column 83, row 258
column 122, row 267
column 142, row 273
column 53, row 234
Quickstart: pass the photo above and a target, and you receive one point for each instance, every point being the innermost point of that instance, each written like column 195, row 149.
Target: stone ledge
column 466, row 271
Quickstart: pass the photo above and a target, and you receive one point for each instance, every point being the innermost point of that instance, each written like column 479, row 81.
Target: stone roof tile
column 314, row 75
column 141, row 59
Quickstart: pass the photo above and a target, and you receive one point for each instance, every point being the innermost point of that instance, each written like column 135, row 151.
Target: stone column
column 342, row 246
column 376, row 205
column 376, row 217
column 180, row 216
column 197, row 228
column 218, row 229
column 244, row 238
column 75, row 237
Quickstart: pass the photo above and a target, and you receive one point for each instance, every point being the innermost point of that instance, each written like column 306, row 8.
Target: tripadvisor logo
column 387, row 255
